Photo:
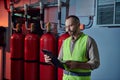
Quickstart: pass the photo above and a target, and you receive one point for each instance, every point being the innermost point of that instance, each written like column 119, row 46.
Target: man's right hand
column 47, row 59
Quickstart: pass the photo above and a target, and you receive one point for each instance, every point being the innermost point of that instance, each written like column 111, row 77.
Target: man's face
column 71, row 26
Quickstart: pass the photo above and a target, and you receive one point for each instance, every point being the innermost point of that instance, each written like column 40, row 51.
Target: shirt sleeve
column 60, row 55
column 92, row 53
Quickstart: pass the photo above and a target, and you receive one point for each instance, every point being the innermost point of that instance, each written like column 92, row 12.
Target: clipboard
column 54, row 59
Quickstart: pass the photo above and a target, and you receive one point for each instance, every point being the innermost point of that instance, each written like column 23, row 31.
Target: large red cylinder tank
column 17, row 55
column 31, row 56
column 60, row 41
column 47, row 71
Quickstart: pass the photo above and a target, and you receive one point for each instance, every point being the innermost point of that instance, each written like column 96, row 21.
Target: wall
column 108, row 45
column 3, row 15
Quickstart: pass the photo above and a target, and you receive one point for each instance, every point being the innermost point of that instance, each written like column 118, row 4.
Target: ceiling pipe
column 89, row 25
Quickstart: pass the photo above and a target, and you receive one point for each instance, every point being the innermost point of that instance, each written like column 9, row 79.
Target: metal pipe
column 59, row 13
column 12, row 17
column 89, row 25
column 67, row 7
column 42, row 16
column 26, row 19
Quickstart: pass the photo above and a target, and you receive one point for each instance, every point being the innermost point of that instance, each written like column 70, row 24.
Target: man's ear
column 78, row 24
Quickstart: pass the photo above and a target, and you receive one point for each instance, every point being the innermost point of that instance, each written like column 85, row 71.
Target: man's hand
column 47, row 59
column 72, row 64
column 77, row 65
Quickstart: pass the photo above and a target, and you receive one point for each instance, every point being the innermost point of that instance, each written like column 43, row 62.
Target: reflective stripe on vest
column 77, row 73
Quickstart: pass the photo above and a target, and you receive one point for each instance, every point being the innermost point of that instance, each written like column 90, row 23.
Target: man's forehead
column 70, row 18
column 69, row 21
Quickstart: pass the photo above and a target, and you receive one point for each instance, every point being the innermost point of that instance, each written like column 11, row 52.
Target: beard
column 71, row 33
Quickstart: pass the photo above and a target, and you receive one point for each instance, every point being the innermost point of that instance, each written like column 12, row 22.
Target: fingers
column 71, row 64
column 68, row 64
column 47, row 59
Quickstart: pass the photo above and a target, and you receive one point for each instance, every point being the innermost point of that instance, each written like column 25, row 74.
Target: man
column 79, row 52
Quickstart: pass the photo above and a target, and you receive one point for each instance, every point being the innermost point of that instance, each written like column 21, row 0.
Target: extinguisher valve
column 48, row 27
column 18, row 28
column 32, row 28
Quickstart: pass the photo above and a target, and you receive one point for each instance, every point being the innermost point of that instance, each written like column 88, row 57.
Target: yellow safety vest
column 78, row 54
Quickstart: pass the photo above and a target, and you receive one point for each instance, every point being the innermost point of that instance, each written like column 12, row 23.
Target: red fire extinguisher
column 47, row 41
column 31, row 55
column 17, row 54
column 60, row 41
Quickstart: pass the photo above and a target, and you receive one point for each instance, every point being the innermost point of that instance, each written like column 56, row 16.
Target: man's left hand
column 72, row 64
